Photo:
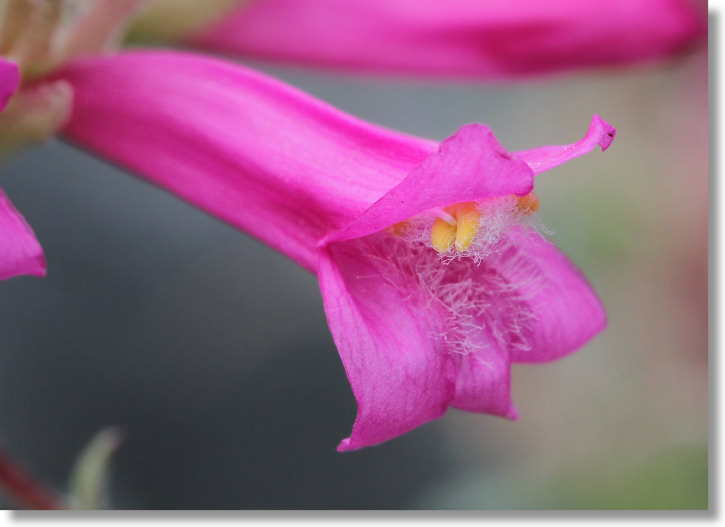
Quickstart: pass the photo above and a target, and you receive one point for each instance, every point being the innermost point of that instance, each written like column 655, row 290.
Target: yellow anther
column 442, row 235
column 458, row 225
column 467, row 221
column 528, row 203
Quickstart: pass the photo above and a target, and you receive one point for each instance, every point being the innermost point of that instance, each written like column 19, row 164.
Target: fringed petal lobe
column 483, row 383
column 564, row 311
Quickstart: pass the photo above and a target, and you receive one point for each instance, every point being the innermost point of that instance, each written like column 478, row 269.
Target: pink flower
column 459, row 38
column 39, row 36
column 421, row 324
column 20, row 252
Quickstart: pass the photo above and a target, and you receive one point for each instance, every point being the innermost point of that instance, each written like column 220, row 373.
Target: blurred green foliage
column 672, row 479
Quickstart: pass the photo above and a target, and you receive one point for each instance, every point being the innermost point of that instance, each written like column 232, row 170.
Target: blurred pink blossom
column 418, row 328
column 458, row 38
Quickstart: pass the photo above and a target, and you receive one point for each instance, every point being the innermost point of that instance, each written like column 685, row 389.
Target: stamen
column 528, row 203
column 442, row 235
column 469, row 220
column 443, row 214
column 467, row 229
column 456, row 225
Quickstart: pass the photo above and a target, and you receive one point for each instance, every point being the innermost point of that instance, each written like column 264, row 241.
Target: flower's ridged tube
column 249, row 149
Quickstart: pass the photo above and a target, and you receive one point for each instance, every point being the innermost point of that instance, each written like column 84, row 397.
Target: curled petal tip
column 513, row 413
column 604, row 130
column 544, row 158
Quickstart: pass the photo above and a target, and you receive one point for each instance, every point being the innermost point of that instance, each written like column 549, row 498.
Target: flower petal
column 458, row 38
column 483, row 383
column 250, row 150
column 546, row 157
column 469, row 166
column 399, row 380
column 20, row 252
column 9, row 80
column 565, row 310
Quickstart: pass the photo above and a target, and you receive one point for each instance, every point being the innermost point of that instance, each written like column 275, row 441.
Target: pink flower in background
column 458, row 38
column 20, row 252
column 433, row 276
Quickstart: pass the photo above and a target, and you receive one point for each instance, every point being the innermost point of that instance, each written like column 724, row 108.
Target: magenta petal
column 9, row 80
column 471, row 165
column 399, row 380
column 483, row 383
column 459, row 38
column 20, row 252
column 247, row 148
column 546, row 157
column 566, row 312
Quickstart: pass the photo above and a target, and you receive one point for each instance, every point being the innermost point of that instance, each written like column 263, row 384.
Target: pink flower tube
column 20, row 252
column 433, row 276
column 458, row 38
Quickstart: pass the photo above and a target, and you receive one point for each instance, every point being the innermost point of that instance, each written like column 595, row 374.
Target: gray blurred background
column 212, row 352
